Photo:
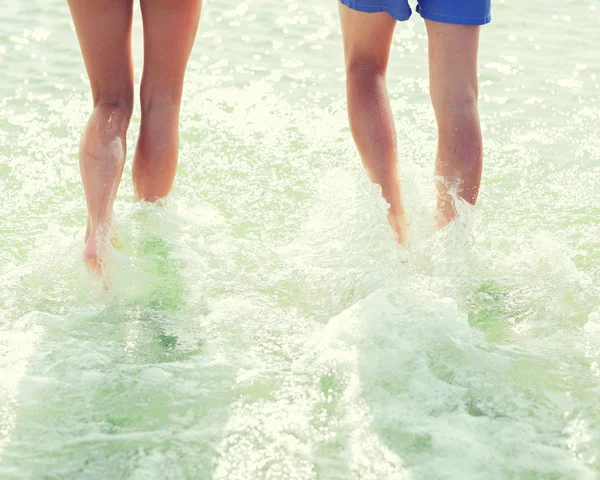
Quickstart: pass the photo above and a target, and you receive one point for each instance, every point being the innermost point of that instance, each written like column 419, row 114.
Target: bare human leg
column 367, row 41
column 453, row 89
column 104, row 31
column 169, row 32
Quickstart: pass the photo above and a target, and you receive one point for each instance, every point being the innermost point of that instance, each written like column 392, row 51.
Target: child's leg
column 367, row 40
column 453, row 88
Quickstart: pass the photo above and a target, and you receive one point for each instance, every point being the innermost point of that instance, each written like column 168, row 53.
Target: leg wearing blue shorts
column 460, row 12
column 453, row 39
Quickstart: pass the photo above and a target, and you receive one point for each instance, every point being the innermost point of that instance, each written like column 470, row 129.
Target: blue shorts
column 461, row 12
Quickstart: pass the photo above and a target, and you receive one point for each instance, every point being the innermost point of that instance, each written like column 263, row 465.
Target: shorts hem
column 458, row 20
column 375, row 9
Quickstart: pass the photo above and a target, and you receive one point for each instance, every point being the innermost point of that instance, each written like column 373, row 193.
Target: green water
column 262, row 325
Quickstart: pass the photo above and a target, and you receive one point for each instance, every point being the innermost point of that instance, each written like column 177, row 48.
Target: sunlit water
column 263, row 324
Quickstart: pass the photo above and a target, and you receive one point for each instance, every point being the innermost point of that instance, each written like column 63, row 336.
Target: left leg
column 104, row 32
column 367, row 41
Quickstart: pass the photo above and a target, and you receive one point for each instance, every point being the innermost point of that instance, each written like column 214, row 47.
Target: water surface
column 262, row 323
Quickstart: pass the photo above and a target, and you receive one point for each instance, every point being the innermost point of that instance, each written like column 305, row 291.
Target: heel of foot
column 92, row 259
column 95, row 251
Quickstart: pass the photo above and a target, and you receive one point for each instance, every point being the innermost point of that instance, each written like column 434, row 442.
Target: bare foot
column 97, row 243
column 400, row 225
column 93, row 253
column 396, row 215
column 95, row 250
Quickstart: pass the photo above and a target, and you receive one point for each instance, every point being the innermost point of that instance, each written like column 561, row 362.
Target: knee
column 118, row 106
column 159, row 99
column 456, row 105
column 360, row 68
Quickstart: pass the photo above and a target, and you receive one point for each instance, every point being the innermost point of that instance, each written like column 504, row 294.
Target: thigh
column 169, row 31
column 452, row 62
column 367, row 37
column 460, row 12
column 104, row 31
column 398, row 9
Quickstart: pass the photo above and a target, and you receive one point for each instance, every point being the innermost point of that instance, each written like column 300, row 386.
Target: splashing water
column 263, row 323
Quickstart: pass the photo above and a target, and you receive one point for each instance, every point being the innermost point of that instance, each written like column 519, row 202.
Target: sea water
column 262, row 324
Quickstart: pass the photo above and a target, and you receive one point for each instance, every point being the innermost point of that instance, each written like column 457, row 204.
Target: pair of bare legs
column 104, row 31
column 453, row 90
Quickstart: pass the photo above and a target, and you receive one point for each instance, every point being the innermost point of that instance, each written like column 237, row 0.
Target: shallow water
column 262, row 324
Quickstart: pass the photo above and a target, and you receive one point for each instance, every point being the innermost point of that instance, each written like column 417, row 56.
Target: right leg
column 367, row 41
column 169, row 32
column 453, row 88
column 104, row 32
